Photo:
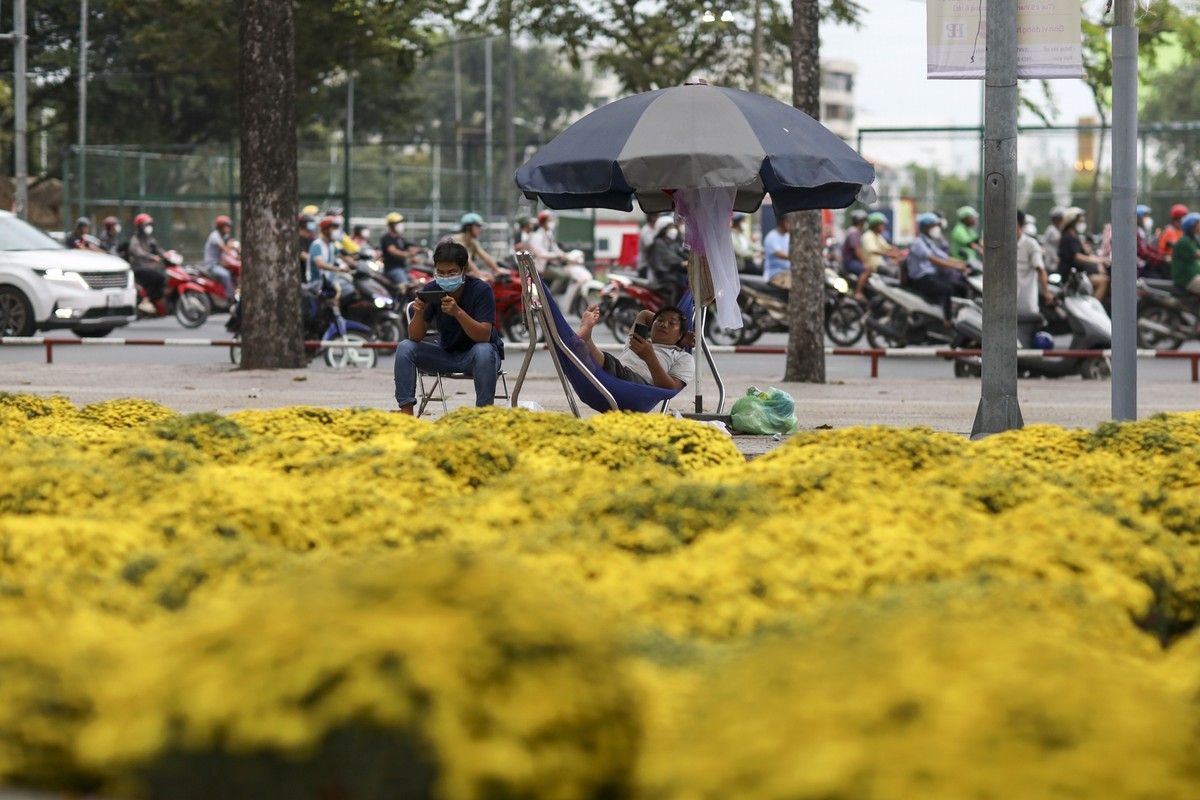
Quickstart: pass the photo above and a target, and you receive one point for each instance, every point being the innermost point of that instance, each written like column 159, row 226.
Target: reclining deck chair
column 580, row 376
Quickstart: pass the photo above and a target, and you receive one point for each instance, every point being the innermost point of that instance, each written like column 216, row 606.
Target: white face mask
column 366, row 234
column 1081, row 227
column 672, row 233
column 116, row 228
column 149, row 229
column 1031, row 230
column 935, row 232
column 1147, row 224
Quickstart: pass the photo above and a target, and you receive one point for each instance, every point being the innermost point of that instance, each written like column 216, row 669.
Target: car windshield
column 17, row 234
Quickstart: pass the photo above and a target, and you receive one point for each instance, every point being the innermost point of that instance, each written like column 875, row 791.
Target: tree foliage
column 653, row 44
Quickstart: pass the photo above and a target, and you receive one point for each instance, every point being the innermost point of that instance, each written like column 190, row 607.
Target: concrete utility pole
column 998, row 408
column 1124, row 236
column 21, row 197
column 83, row 49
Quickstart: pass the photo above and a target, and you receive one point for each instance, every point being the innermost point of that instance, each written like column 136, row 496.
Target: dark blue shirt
column 480, row 304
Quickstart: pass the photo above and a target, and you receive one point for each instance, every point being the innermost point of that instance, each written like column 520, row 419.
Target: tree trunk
column 272, row 333
column 806, row 303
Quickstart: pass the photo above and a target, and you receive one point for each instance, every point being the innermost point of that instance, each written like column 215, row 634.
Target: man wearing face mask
column 324, row 258
column 146, row 260
column 307, row 232
column 1075, row 254
column 666, row 264
column 1031, row 268
column 926, row 260
column 1151, row 262
column 465, row 320
column 1185, row 266
column 110, row 237
column 396, row 250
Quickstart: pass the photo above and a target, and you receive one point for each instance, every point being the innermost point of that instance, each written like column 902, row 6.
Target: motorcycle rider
column 479, row 263
column 744, row 248
column 467, row 337
column 324, row 256
column 874, row 246
column 216, row 246
column 396, row 249
column 1075, row 253
column 925, row 256
column 81, row 238
column 1051, row 237
column 307, row 231
column 146, row 259
column 666, row 265
column 1185, row 268
column 110, row 237
column 777, row 253
column 1173, row 231
column 552, row 262
column 854, row 260
column 1031, row 270
column 1151, row 262
column 964, row 239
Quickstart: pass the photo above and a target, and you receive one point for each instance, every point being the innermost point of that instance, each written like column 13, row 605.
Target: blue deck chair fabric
column 629, row 396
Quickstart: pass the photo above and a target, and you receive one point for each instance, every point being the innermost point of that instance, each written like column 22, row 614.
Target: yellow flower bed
column 502, row 603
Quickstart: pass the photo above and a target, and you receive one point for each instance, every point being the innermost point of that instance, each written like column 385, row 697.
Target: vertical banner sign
column 1049, row 39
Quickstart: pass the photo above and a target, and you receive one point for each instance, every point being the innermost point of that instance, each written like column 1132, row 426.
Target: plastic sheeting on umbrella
column 696, row 136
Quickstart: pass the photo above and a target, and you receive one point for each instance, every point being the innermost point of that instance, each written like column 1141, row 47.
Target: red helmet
column 543, row 216
column 1179, row 211
column 142, row 219
column 327, row 223
column 222, row 220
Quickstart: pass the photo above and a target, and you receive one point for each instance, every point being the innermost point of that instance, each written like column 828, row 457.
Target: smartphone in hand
column 642, row 331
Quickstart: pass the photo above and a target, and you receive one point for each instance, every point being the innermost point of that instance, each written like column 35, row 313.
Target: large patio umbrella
column 704, row 151
column 696, row 136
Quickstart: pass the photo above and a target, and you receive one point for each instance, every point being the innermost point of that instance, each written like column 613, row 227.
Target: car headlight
column 56, row 274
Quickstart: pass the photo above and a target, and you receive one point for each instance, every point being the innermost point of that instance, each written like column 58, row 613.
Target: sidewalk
column 944, row 404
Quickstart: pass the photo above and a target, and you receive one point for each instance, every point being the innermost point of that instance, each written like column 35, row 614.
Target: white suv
column 43, row 285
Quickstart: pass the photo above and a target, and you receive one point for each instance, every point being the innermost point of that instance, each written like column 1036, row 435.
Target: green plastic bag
column 772, row 411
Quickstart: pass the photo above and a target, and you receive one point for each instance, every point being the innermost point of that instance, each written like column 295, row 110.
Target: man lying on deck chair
column 658, row 360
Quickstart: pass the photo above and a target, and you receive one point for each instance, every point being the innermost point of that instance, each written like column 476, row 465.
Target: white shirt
column 543, row 247
column 1029, row 263
column 675, row 360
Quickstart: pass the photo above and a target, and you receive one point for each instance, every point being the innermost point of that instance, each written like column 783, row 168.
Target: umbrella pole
column 698, row 312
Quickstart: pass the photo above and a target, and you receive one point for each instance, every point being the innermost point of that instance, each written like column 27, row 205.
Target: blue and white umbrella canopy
column 696, row 136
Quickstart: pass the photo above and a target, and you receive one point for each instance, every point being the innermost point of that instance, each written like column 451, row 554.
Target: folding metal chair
column 437, row 390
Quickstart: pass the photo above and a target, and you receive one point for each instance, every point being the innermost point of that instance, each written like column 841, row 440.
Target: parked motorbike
column 1091, row 329
column 182, row 296
column 510, row 307
column 625, row 296
column 765, row 310
column 1167, row 316
column 373, row 303
column 323, row 321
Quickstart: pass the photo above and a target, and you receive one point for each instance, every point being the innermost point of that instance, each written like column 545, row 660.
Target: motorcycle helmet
column 111, row 221
column 470, row 219
column 875, row 218
column 1056, row 213
column 393, row 218
column 310, row 211
column 1071, row 214
column 83, row 222
column 1179, row 211
column 327, row 223
column 927, row 219
column 966, row 211
column 222, row 220
column 1188, row 223
column 1142, row 211
column 142, row 219
column 857, row 216
column 1043, row 341
column 543, row 216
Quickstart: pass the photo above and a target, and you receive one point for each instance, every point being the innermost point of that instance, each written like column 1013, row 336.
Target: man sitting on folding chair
column 465, row 319
column 654, row 355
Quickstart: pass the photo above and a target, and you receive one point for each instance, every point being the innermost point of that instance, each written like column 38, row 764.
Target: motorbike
column 373, row 303
column 625, row 296
column 510, row 308
column 221, row 300
column 323, row 322
column 1091, row 329
column 1167, row 316
column 765, row 310
column 182, row 296
column 897, row 316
